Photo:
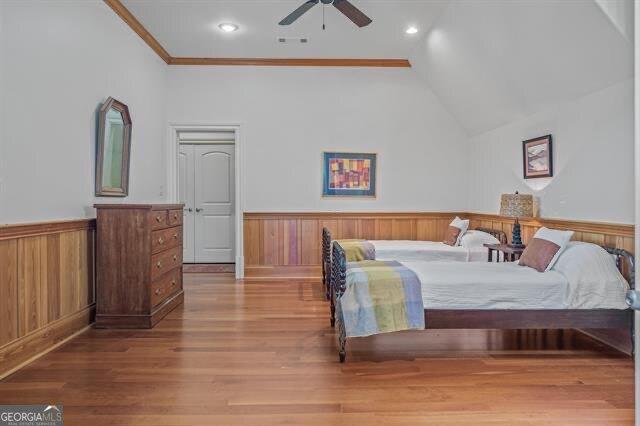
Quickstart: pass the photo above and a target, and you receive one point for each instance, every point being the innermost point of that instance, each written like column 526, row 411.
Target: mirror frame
column 101, row 190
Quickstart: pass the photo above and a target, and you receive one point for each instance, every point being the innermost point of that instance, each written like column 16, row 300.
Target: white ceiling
column 188, row 28
column 492, row 62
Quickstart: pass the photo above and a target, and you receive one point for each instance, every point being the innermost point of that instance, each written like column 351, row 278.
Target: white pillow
column 474, row 238
column 594, row 279
column 462, row 225
column 554, row 236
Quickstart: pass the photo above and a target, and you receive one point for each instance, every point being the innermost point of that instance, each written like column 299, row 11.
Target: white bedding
column 403, row 250
column 483, row 285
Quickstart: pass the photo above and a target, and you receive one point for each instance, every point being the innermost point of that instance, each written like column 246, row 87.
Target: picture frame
column 349, row 174
column 537, row 157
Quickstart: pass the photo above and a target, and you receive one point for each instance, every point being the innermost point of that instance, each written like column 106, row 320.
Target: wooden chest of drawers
column 138, row 264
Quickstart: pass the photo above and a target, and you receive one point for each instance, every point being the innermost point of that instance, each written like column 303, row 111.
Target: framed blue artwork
column 347, row 174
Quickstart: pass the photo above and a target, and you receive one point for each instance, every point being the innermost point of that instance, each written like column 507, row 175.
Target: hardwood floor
column 262, row 353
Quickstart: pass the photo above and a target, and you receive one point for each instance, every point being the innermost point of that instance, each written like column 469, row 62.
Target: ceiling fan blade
column 298, row 12
column 352, row 12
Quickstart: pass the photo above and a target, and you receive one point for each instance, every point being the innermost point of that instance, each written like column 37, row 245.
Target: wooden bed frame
column 329, row 294
column 502, row 319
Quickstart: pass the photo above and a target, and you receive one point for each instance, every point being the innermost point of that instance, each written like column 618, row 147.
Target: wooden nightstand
column 510, row 254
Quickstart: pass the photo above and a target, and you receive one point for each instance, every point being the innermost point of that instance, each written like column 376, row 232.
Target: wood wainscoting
column 47, row 290
column 607, row 234
column 288, row 244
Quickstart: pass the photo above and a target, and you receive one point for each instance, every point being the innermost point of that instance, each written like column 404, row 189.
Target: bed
column 508, row 296
column 406, row 250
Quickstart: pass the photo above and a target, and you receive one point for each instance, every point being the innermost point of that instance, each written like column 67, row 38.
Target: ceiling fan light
column 411, row 30
column 228, row 27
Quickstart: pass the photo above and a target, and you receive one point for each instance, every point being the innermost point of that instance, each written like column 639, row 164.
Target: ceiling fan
column 344, row 6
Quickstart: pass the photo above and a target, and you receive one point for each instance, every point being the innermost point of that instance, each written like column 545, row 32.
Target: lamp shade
column 516, row 205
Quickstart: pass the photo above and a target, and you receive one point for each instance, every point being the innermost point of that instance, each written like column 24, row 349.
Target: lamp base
column 516, row 240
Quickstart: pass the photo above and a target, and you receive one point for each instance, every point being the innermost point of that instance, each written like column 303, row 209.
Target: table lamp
column 516, row 205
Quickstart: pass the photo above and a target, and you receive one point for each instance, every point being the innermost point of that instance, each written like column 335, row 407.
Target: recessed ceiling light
column 412, row 30
column 228, row 28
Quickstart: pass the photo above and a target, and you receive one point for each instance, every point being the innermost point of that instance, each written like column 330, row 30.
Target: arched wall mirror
column 114, row 145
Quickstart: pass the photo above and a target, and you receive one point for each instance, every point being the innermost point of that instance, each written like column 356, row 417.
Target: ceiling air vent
column 293, row 40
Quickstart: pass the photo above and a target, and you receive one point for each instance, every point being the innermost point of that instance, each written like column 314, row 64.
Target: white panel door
column 214, row 203
column 186, row 194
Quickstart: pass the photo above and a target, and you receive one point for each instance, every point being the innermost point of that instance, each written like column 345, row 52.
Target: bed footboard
column 326, row 262
column 338, row 283
column 626, row 263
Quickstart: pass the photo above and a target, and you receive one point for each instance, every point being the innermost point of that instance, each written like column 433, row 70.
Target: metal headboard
column 500, row 235
column 621, row 256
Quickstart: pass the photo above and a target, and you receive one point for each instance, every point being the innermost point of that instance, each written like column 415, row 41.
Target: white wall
column 593, row 139
column 288, row 116
column 61, row 60
column 3, row 200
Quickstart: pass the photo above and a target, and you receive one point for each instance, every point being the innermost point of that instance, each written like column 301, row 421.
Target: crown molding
column 151, row 41
column 294, row 62
column 138, row 28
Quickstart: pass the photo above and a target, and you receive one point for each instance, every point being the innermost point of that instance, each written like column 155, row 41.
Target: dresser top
column 140, row 206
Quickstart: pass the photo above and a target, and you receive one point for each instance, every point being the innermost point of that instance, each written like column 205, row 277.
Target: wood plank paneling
column 19, row 352
column 270, row 237
column 310, row 253
column 252, row 241
column 289, row 243
column 30, row 283
column 609, row 234
column 8, row 291
column 45, row 278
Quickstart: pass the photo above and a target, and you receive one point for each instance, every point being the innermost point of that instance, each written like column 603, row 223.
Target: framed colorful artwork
column 346, row 174
column 537, row 155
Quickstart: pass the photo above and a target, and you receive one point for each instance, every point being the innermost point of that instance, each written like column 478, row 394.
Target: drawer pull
column 173, row 282
column 175, row 216
column 157, row 292
column 158, row 219
column 159, row 264
column 175, row 257
column 175, row 236
column 160, row 240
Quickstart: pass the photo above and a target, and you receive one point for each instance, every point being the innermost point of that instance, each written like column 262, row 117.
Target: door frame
column 172, row 176
column 636, row 116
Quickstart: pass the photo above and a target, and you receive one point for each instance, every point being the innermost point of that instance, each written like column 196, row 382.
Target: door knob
column 189, row 209
column 198, row 210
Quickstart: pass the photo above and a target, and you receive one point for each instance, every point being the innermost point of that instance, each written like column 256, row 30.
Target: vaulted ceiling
column 490, row 62
column 189, row 28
